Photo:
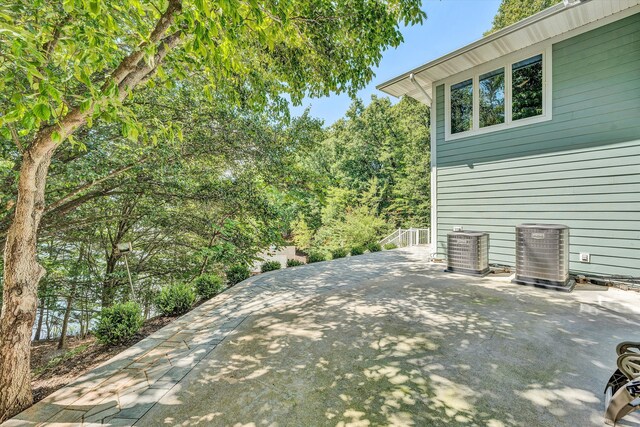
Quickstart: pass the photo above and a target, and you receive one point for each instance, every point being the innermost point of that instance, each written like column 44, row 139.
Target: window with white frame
column 491, row 94
column 510, row 92
column 462, row 106
column 526, row 88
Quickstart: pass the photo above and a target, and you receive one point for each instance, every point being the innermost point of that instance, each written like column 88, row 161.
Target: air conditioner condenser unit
column 468, row 252
column 542, row 256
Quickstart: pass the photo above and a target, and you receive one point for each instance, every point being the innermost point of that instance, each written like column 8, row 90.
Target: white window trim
column 503, row 62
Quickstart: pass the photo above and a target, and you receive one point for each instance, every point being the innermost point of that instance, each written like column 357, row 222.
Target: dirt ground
column 52, row 369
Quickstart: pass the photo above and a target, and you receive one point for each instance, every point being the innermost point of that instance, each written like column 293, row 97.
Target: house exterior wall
column 581, row 168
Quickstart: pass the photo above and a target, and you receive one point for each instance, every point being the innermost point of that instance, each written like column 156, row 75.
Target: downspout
column 434, row 175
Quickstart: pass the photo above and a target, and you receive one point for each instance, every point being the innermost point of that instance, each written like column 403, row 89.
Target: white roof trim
column 553, row 22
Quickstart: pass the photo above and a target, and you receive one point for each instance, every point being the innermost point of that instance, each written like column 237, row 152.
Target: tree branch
column 49, row 46
column 15, row 137
column 130, row 63
column 88, row 185
column 129, row 69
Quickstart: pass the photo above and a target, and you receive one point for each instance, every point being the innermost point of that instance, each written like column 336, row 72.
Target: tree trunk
column 87, row 316
column 147, row 309
column 62, row 343
column 40, row 319
column 83, row 315
column 47, row 322
column 111, row 283
column 21, row 269
column 21, row 276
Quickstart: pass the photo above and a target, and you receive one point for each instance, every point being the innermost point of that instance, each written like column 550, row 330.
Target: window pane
column 461, row 106
column 492, row 98
column 527, row 88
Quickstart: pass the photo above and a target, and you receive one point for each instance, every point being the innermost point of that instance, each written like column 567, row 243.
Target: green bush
column 237, row 274
column 357, row 250
column 316, row 257
column 175, row 299
column 374, row 247
column 208, row 285
column 270, row 266
column 390, row 246
column 294, row 263
column 338, row 253
column 119, row 323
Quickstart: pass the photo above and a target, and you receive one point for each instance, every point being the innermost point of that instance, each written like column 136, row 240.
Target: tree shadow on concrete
column 410, row 347
column 378, row 339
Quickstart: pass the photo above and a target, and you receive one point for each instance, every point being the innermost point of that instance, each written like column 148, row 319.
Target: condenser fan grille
column 542, row 255
column 468, row 252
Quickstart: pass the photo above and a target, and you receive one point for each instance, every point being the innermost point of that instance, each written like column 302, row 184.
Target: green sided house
column 540, row 123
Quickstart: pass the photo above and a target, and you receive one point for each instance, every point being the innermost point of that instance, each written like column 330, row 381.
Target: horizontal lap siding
column 581, row 169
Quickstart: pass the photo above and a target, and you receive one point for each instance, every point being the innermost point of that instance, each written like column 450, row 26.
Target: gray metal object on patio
column 542, row 256
column 468, row 252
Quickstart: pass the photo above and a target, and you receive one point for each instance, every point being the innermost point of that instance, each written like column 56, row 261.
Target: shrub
column 270, row 266
column 119, row 323
column 374, row 247
column 390, row 246
column 175, row 299
column 357, row 250
column 338, row 253
column 315, row 257
column 237, row 274
column 294, row 263
column 208, row 285
column 354, row 226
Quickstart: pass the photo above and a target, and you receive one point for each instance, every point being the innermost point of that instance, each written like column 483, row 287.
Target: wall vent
column 468, row 252
column 542, row 256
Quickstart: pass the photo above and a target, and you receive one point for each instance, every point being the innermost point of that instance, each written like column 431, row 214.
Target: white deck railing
column 403, row 237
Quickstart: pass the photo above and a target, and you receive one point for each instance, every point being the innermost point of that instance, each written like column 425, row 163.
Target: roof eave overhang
column 485, row 40
column 416, row 83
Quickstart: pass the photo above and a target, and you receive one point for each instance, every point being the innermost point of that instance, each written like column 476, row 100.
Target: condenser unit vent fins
column 468, row 252
column 542, row 256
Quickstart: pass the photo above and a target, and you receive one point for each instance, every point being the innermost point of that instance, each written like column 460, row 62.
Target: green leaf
column 130, row 131
column 94, row 7
column 11, row 116
column 68, row 6
column 42, row 111
column 53, row 93
column 56, row 136
column 5, row 132
column 85, row 105
column 29, row 121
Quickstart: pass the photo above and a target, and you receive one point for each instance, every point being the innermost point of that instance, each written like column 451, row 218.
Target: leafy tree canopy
column 58, row 56
column 372, row 173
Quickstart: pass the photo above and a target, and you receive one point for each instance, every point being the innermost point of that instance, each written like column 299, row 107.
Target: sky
column 450, row 24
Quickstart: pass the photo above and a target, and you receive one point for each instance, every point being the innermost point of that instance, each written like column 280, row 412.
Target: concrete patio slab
column 378, row 339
